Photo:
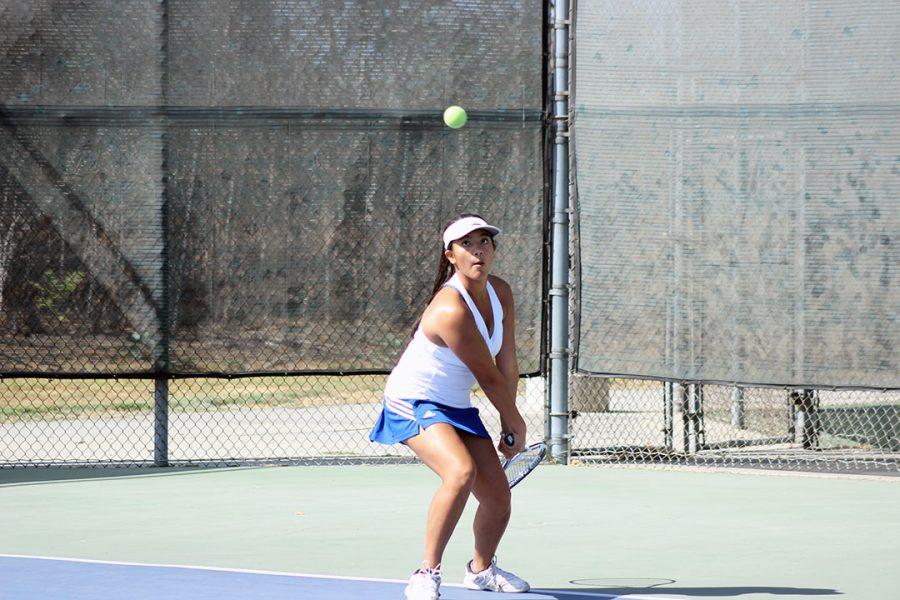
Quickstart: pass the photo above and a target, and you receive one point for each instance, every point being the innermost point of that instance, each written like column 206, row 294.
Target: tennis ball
column 455, row 117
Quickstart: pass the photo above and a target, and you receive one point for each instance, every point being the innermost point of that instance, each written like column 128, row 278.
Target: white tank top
column 427, row 371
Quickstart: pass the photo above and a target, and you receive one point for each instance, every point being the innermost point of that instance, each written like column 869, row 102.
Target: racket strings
column 522, row 463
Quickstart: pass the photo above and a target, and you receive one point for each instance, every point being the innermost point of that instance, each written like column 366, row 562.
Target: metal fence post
column 162, row 366
column 699, row 416
column 559, row 277
column 681, row 400
column 693, row 398
column 161, row 422
column 806, row 425
column 737, row 407
column 669, row 415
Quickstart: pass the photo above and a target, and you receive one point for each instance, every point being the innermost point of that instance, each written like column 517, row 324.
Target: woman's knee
column 498, row 501
column 461, row 474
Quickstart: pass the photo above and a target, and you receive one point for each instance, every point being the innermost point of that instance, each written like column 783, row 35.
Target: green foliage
column 54, row 292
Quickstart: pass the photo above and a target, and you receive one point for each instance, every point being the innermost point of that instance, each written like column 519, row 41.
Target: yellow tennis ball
column 455, row 117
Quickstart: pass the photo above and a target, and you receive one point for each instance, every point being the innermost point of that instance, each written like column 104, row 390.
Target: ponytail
column 444, row 273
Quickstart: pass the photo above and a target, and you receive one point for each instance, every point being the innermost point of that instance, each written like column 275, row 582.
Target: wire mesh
column 629, row 421
column 736, row 191
column 252, row 194
column 315, row 419
column 322, row 419
column 232, row 188
column 232, row 214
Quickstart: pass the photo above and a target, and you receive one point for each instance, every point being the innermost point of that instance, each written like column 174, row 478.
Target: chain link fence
column 321, row 419
column 219, row 219
column 629, row 421
column 735, row 220
column 315, row 419
column 213, row 243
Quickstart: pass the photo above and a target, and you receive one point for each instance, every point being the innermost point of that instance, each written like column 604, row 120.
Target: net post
column 560, row 261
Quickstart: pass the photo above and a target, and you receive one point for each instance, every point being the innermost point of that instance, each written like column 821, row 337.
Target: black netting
column 240, row 187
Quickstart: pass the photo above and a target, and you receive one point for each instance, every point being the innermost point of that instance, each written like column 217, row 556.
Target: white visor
column 465, row 226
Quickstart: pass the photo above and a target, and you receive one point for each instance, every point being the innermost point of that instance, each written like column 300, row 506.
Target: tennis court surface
column 355, row 532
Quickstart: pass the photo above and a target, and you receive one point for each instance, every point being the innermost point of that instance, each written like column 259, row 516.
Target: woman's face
column 472, row 254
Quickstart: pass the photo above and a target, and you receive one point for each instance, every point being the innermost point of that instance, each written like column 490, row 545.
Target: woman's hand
column 514, row 425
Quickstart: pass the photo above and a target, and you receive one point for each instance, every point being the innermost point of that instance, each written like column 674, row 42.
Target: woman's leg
column 492, row 491
column 440, row 447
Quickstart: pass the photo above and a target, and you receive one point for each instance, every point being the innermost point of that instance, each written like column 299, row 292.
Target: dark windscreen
column 236, row 187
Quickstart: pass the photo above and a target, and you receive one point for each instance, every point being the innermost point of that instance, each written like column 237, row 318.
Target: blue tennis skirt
column 403, row 419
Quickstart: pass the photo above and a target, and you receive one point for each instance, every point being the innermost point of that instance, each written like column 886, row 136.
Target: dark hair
column 445, row 269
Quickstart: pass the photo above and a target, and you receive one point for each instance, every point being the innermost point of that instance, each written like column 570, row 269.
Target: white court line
column 598, row 595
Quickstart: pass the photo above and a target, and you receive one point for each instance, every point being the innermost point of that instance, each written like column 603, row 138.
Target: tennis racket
column 523, row 463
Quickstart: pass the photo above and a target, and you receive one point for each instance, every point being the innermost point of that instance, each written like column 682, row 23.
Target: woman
column 466, row 334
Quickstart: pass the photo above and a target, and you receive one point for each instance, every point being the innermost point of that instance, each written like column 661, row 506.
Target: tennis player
column 466, row 334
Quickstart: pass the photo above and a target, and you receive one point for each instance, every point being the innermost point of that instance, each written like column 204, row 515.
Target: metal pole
column 693, row 425
column 162, row 359
column 161, row 422
column 559, row 275
column 737, row 407
column 699, row 417
column 791, row 413
column 669, row 415
column 806, row 430
column 681, row 398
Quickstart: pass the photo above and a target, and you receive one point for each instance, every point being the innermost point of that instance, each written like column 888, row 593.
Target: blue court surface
column 34, row 578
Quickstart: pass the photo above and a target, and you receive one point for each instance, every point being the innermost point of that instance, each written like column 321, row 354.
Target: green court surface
column 648, row 533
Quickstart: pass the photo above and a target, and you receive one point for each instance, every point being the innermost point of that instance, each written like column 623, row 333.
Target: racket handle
column 509, row 439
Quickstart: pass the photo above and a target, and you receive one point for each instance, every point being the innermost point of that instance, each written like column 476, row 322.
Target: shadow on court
column 695, row 592
column 37, row 475
column 34, row 476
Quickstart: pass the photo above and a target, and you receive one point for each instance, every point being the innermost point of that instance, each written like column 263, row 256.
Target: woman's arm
column 507, row 362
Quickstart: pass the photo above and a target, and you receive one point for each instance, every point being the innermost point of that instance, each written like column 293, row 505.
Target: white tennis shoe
column 494, row 579
column 425, row 584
